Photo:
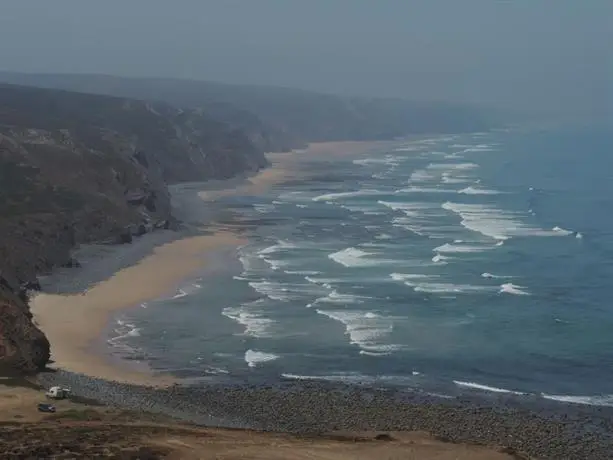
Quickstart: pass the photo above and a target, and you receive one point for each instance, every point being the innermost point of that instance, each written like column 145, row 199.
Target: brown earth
column 80, row 429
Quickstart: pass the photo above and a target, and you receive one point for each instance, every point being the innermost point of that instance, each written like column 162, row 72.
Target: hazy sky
column 541, row 54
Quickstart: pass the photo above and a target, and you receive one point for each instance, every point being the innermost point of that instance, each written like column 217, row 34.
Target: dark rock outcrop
column 23, row 347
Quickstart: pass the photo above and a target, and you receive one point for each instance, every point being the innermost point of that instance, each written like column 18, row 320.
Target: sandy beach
column 73, row 322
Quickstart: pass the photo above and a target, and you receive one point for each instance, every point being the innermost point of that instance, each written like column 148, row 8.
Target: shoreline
column 543, row 429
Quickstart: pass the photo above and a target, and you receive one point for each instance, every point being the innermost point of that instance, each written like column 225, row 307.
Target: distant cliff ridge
column 78, row 168
column 281, row 118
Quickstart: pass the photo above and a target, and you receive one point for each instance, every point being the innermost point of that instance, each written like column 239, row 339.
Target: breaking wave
column 255, row 358
column 478, row 386
column 510, row 288
column 495, row 223
column 365, row 329
column 341, row 195
column 478, row 191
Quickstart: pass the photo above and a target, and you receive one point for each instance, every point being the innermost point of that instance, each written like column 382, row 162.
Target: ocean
column 476, row 263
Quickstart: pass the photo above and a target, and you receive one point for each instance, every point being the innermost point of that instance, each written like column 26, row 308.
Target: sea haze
column 461, row 263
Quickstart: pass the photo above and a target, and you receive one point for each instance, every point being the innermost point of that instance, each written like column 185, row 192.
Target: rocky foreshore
column 543, row 430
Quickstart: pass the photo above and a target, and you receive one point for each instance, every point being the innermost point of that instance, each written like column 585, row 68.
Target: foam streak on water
column 436, row 254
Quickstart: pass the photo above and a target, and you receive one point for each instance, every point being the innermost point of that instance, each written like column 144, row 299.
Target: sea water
column 478, row 262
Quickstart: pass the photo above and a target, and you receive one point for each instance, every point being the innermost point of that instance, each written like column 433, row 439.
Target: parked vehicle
column 43, row 407
column 57, row 393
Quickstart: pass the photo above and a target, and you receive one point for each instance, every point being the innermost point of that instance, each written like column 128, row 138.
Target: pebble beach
column 539, row 429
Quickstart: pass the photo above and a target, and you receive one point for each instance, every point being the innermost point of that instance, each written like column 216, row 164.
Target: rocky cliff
column 78, row 168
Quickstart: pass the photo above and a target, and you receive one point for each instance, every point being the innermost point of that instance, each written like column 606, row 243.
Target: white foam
column 368, row 330
column 414, row 189
column 322, row 281
column 373, row 353
column 273, row 290
column 478, row 191
column 340, row 195
column 353, row 257
column 255, row 324
column 447, row 288
column 302, row 377
column 124, row 331
column 179, row 294
column 407, row 148
column 278, row 247
column 595, row 400
column 254, row 358
column 453, row 166
column 302, row 272
column 246, row 263
column 561, row 231
column 364, row 209
column 186, row 290
column 264, row 208
column 579, row 235
column 480, row 148
column 216, row 371
column 478, row 386
column 387, row 160
column 275, row 264
column 409, row 276
column 338, row 298
column 460, row 248
column 440, row 259
column 287, row 291
column 510, row 288
column 252, row 319
column 493, row 222
column 491, row 276
column 447, row 178
column 421, row 176
column 409, row 208
column 352, row 377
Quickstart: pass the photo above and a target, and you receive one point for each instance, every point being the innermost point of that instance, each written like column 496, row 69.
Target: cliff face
column 78, row 168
